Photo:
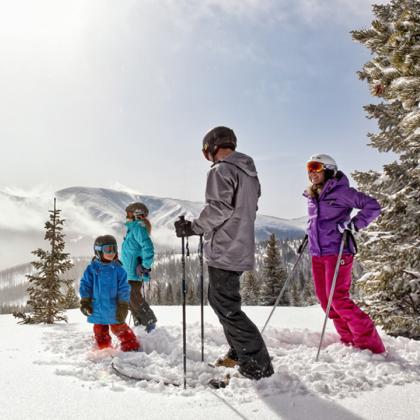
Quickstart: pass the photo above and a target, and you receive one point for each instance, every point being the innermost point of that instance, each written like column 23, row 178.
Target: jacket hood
column 340, row 180
column 243, row 162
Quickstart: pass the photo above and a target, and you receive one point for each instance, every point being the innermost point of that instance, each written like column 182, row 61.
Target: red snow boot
column 102, row 337
column 126, row 336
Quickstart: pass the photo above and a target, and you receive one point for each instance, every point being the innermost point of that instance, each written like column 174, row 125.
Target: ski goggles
column 315, row 166
column 107, row 249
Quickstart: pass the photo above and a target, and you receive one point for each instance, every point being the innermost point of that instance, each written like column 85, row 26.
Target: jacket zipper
column 317, row 230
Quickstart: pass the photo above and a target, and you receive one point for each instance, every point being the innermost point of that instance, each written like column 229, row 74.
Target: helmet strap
column 213, row 153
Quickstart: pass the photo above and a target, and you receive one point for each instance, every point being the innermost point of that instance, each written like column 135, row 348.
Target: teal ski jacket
column 137, row 248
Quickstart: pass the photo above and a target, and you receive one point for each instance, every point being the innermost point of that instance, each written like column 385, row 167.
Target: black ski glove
column 184, row 228
column 122, row 311
column 86, row 306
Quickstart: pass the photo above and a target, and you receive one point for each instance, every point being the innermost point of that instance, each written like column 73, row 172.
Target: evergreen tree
column 390, row 251
column 178, row 294
column 169, row 295
column 295, row 294
column 158, row 294
column 71, row 298
column 46, row 297
column 308, row 292
column 274, row 275
column 250, row 288
column 191, row 293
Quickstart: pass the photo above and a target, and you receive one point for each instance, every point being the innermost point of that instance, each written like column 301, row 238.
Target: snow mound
column 341, row 372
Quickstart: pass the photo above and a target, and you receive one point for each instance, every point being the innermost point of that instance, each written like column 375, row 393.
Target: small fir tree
column 250, row 288
column 169, row 295
column 296, row 294
column 46, row 297
column 274, row 275
column 71, row 298
column 158, row 298
column 308, row 291
column 390, row 250
column 191, row 293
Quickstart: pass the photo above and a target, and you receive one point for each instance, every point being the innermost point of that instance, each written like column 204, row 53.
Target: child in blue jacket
column 137, row 257
column 104, row 293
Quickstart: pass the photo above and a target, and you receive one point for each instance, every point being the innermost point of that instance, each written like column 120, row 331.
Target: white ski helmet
column 326, row 160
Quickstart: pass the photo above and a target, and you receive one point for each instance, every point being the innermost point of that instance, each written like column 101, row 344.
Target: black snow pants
column 140, row 309
column 245, row 341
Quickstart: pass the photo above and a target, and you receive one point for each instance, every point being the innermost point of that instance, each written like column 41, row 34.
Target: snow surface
column 50, row 372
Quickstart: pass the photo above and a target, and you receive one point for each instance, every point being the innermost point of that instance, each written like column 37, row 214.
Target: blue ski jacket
column 106, row 284
column 137, row 244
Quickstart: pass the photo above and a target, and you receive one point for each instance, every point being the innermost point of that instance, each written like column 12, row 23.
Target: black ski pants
column 140, row 309
column 245, row 341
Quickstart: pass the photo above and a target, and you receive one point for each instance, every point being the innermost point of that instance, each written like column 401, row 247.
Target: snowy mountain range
column 107, row 206
column 90, row 212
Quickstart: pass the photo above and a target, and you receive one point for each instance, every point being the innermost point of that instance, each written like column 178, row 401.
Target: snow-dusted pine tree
column 273, row 275
column 71, row 298
column 296, row 294
column 169, row 295
column 390, row 251
column 46, row 297
column 250, row 288
column 308, row 292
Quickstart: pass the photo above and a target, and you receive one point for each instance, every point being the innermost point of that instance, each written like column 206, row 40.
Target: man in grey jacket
column 227, row 222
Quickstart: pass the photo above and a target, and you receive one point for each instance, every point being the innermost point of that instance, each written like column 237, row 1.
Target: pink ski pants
column 352, row 324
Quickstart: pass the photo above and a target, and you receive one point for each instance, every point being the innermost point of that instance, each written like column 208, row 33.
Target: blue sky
column 99, row 92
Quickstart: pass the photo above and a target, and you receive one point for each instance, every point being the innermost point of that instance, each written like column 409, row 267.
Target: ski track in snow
column 341, row 372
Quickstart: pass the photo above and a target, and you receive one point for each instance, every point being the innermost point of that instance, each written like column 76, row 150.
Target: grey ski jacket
column 228, row 218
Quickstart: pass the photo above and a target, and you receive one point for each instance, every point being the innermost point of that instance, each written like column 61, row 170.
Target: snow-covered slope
column 51, row 372
column 90, row 212
column 107, row 206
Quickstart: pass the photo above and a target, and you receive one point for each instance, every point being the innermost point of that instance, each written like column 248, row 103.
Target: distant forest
column 165, row 285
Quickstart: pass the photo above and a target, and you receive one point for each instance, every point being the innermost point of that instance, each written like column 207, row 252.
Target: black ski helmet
column 138, row 209
column 100, row 241
column 219, row 137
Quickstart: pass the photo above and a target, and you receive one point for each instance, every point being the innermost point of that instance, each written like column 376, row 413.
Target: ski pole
column 184, row 293
column 330, row 298
column 200, row 254
column 300, row 252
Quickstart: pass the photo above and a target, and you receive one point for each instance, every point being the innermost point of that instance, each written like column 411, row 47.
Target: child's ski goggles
column 107, row 249
column 315, row 166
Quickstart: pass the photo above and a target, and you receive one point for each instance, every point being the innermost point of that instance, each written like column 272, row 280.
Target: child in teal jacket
column 137, row 257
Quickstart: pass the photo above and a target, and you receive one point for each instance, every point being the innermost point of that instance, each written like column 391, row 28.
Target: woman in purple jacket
column 330, row 203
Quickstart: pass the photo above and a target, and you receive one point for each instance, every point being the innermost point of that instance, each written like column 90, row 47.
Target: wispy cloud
column 26, row 210
column 266, row 11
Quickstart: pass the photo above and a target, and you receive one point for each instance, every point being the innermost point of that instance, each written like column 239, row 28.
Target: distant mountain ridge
column 90, row 212
column 108, row 205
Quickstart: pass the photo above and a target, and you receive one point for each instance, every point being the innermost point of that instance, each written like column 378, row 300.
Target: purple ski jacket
column 334, row 206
